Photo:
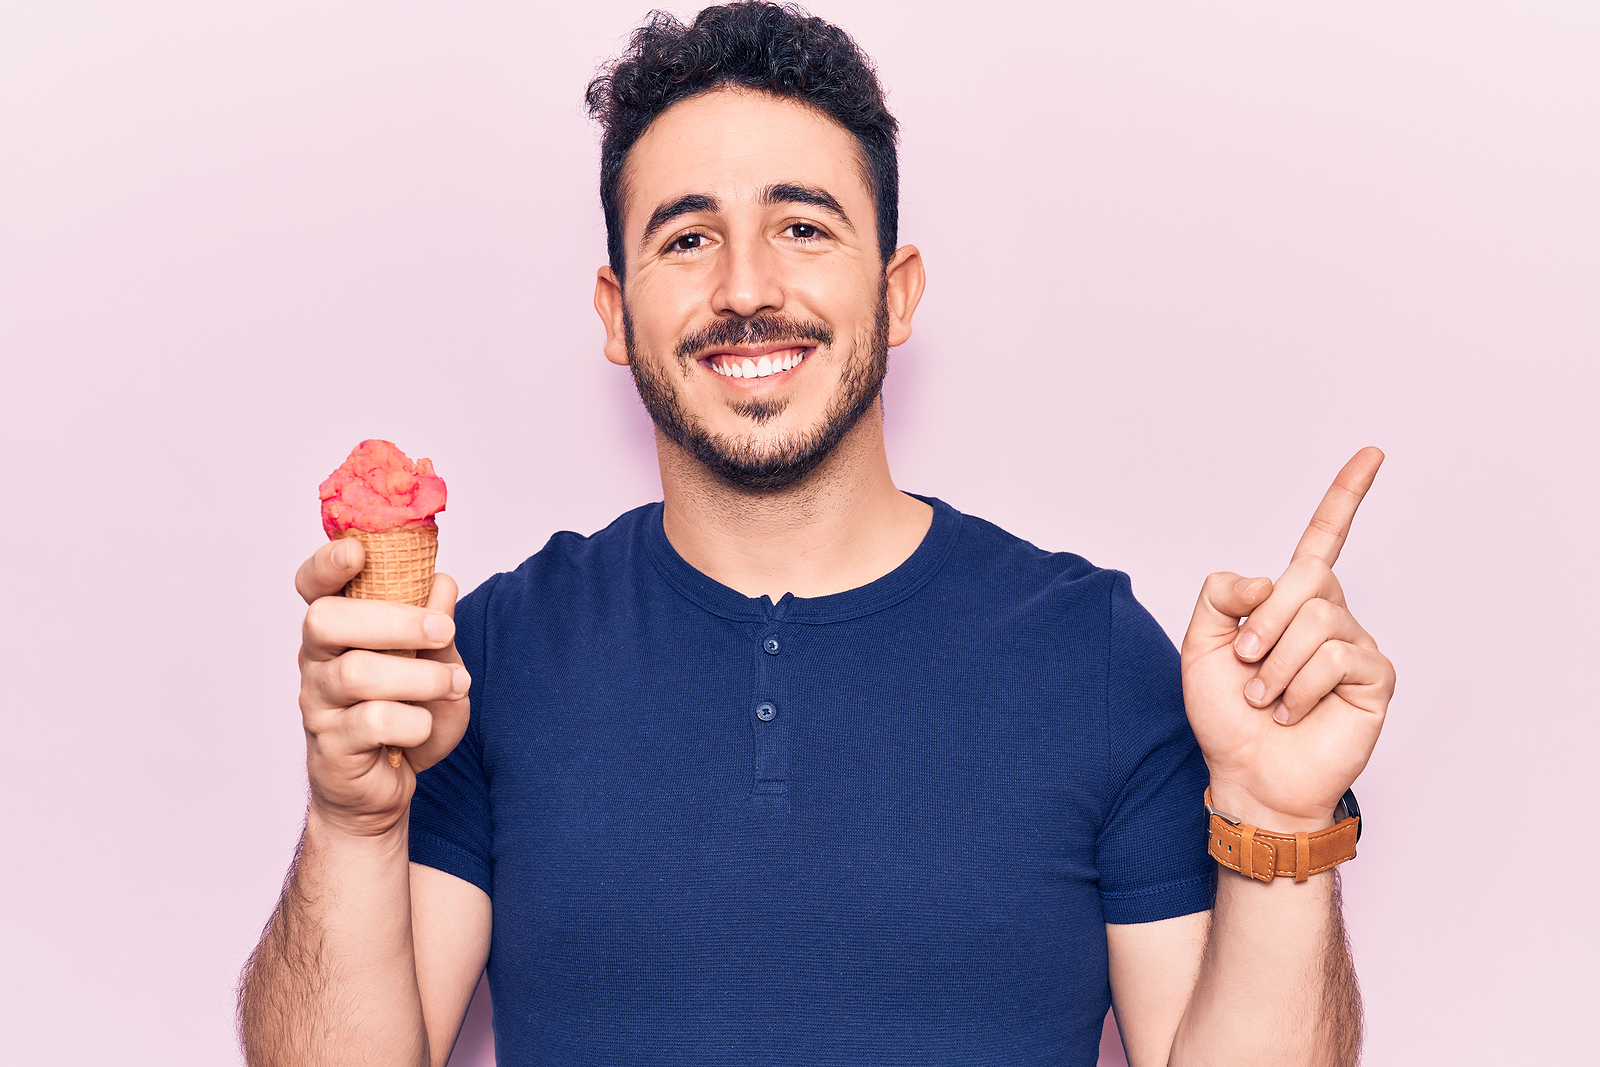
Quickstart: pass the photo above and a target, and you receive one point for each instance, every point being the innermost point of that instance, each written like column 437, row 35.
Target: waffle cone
column 399, row 565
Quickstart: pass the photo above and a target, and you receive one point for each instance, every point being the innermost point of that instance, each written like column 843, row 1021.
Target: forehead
column 731, row 143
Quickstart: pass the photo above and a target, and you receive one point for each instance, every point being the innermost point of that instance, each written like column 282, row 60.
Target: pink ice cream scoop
column 378, row 488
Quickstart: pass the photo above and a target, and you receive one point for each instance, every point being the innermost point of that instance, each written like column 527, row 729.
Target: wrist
column 1241, row 806
column 379, row 835
column 1265, row 855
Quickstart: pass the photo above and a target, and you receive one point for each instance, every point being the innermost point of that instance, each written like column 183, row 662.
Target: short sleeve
column 450, row 827
column 1151, row 852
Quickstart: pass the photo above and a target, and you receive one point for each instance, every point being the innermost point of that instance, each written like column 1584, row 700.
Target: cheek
column 841, row 291
column 658, row 329
column 664, row 303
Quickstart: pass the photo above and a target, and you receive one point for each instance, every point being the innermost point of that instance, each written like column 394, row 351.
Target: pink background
column 1183, row 260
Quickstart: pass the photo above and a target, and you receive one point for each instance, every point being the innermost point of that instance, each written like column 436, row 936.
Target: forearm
column 334, row 980
column 1276, row 983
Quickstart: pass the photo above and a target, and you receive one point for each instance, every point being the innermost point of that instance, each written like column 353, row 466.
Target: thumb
column 1225, row 598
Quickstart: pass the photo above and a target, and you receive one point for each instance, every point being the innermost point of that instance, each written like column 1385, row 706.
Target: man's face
column 754, row 312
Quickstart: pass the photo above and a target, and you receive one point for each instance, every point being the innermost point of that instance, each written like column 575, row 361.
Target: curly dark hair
column 778, row 49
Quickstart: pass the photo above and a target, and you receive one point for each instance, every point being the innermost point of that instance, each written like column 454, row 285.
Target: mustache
column 756, row 330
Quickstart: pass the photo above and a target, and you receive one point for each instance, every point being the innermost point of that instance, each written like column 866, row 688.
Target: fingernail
column 1256, row 691
column 460, row 681
column 1245, row 586
column 437, row 626
column 1281, row 716
column 1247, row 645
column 341, row 556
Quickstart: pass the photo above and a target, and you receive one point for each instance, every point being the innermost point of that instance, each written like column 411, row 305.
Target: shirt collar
column 875, row 596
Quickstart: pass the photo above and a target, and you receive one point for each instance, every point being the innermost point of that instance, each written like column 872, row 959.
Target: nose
column 748, row 281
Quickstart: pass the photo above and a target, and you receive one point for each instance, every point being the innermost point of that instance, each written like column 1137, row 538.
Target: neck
column 842, row 526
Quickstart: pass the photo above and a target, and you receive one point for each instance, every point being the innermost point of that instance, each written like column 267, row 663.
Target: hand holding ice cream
column 387, row 502
column 378, row 509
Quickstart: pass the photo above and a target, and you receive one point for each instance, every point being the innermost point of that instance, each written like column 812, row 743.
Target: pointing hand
column 1287, row 705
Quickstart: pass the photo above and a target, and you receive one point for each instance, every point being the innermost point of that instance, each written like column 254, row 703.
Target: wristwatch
column 1264, row 855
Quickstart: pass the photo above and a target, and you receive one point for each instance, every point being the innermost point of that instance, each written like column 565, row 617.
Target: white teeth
column 763, row 368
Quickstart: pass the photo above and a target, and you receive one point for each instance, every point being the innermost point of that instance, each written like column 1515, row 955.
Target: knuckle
column 309, row 691
column 1314, row 567
column 355, row 672
column 1322, row 612
column 319, row 615
column 411, row 726
column 314, row 687
column 444, row 675
column 1217, row 584
column 1326, row 526
column 367, row 722
column 316, row 719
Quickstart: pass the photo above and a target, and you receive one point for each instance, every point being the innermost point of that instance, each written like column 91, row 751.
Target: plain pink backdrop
column 1183, row 261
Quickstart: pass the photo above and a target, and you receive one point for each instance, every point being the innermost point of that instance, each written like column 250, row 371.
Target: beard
column 776, row 461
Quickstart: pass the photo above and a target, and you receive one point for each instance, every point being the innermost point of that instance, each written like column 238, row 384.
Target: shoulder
column 571, row 561
column 1058, row 597
column 1001, row 568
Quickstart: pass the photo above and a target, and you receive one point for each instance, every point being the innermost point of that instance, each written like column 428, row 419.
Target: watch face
column 1353, row 809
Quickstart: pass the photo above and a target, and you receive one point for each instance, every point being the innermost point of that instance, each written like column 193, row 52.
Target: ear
column 905, row 280
column 608, row 302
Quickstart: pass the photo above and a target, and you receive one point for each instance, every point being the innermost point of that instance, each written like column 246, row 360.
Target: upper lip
column 754, row 352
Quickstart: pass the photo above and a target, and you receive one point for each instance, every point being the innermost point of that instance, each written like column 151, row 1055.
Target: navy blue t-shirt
column 881, row 827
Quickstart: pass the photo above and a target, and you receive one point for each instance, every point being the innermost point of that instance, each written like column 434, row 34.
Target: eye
column 689, row 242
column 803, row 231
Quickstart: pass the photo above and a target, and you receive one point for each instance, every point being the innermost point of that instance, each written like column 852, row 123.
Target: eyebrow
column 684, row 205
column 789, row 193
column 771, row 196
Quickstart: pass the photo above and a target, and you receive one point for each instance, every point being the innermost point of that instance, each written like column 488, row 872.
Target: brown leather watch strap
column 1264, row 855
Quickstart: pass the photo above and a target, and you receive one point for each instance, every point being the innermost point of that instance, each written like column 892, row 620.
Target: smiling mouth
column 730, row 365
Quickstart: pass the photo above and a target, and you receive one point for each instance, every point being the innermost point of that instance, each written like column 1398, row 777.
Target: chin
column 757, row 454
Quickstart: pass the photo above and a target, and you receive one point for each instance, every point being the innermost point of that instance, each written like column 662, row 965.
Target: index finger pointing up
column 1330, row 525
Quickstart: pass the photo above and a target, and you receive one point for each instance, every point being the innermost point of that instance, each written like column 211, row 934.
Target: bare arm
column 335, row 978
column 1154, row 967
column 1276, row 978
column 1287, row 705
column 1265, row 978
column 450, row 922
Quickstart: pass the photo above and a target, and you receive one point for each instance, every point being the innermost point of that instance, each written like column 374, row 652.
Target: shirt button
column 766, row 712
column 771, row 645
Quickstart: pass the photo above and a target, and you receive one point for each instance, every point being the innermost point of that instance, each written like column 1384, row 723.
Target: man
column 794, row 767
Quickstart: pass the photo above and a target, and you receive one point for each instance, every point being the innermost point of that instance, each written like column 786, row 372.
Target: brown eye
column 689, row 242
column 804, row 231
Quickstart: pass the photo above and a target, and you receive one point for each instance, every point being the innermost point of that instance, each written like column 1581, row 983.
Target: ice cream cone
column 399, row 567
column 399, row 564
